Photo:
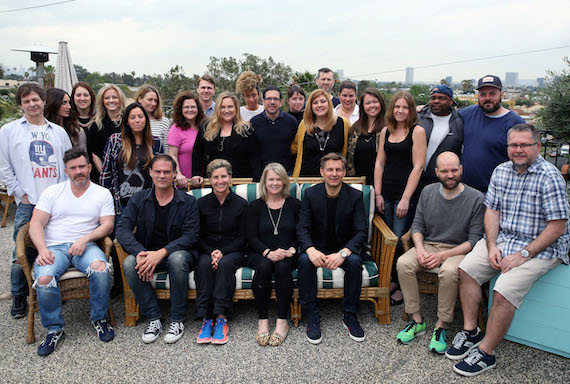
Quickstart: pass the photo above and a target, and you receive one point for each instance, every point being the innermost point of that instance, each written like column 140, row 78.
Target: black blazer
column 351, row 223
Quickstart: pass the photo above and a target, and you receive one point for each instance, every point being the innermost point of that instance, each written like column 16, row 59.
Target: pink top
column 184, row 140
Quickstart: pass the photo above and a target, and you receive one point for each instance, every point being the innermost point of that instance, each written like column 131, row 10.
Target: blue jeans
column 178, row 264
column 19, row 285
column 398, row 225
column 352, row 267
column 49, row 296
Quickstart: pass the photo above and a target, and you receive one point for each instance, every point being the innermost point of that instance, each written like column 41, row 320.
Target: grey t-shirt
column 449, row 221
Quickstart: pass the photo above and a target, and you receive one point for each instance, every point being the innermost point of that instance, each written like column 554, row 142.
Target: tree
column 49, row 79
column 81, row 72
column 173, row 82
column 362, row 85
column 226, row 71
column 420, row 93
column 305, row 80
column 554, row 118
column 443, row 81
column 467, row 86
column 1, row 71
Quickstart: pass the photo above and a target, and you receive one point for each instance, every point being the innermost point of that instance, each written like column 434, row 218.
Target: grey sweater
column 449, row 221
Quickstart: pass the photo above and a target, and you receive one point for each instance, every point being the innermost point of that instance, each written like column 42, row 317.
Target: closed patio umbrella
column 65, row 76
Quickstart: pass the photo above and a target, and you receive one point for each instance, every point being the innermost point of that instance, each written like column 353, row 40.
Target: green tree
column 467, row 86
column 49, row 79
column 173, row 82
column 443, row 81
column 420, row 93
column 306, row 80
column 554, row 118
column 362, row 85
column 226, row 71
column 81, row 72
column 1, row 71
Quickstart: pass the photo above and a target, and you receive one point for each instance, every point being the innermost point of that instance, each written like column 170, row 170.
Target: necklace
column 367, row 139
column 221, row 145
column 275, row 225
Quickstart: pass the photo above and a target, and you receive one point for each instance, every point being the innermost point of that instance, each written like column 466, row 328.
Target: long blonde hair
column 309, row 116
column 101, row 111
column 214, row 125
column 142, row 91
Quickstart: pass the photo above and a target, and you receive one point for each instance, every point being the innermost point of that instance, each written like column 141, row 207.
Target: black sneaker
column 314, row 330
column 48, row 345
column 175, row 332
column 19, row 304
column 463, row 343
column 152, row 331
column 104, row 330
column 351, row 323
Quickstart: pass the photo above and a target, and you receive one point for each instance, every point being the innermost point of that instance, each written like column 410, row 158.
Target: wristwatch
column 343, row 254
column 525, row 254
column 293, row 250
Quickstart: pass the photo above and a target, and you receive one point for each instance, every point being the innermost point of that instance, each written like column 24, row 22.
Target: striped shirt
column 527, row 202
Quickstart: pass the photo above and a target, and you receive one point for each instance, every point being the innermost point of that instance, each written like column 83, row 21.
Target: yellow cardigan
column 297, row 144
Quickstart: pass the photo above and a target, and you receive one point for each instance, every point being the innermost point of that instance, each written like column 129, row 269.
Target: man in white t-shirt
column 31, row 159
column 444, row 129
column 68, row 218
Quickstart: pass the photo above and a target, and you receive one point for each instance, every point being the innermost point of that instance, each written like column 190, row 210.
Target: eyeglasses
column 190, row 108
column 275, row 99
column 522, row 146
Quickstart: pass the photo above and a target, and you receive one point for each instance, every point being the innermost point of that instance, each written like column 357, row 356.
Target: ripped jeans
column 49, row 296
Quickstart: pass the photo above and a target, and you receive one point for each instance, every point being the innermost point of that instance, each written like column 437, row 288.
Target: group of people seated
column 415, row 157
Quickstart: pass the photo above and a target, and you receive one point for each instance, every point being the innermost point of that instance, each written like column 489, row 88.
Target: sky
column 373, row 40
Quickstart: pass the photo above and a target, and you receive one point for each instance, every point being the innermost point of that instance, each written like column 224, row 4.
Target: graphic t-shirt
column 42, row 157
column 133, row 180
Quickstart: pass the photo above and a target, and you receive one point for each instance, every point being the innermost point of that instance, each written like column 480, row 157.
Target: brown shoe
column 277, row 339
column 262, row 338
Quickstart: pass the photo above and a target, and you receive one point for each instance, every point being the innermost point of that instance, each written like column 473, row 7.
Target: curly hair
column 247, row 81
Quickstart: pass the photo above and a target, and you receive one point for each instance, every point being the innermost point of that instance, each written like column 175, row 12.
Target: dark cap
column 444, row 89
column 490, row 81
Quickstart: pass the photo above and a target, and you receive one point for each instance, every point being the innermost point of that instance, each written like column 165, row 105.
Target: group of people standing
column 401, row 149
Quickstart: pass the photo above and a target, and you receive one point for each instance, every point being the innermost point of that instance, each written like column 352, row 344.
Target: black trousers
column 216, row 287
column 264, row 269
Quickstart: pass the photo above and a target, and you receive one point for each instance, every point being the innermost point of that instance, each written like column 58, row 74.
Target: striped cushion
column 326, row 278
column 247, row 191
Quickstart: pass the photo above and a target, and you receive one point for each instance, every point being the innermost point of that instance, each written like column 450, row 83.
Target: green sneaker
column 412, row 330
column 438, row 343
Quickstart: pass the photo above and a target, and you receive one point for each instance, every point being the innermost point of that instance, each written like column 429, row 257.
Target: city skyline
column 368, row 41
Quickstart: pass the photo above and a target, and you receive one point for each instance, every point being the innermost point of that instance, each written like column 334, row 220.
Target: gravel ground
column 81, row 357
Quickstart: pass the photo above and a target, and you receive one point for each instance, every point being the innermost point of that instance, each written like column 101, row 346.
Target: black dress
column 261, row 235
column 319, row 144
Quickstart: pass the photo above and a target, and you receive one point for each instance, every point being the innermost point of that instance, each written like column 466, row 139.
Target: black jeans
column 352, row 267
column 262, row 284
column 216, row 287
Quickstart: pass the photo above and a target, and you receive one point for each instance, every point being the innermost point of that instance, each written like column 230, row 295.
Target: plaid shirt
column 526, row 204
column 109, row 177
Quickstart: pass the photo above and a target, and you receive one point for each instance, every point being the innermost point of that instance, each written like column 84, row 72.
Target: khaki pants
column 408, row 266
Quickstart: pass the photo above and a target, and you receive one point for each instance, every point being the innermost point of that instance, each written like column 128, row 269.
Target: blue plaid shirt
column 527, row 202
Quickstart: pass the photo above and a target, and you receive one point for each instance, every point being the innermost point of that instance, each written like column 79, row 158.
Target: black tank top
column 398, row 166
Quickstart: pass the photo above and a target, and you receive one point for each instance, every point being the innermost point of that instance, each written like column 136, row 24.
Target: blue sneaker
column 104, row 330
column 205, row 335
column 48, row 345
column 314, row 330
column 221, row 329
column 351, row 323
column 463, row 343
column 477, row 362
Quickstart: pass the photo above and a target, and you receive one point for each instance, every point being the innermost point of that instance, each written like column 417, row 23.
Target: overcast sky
column 364, row 38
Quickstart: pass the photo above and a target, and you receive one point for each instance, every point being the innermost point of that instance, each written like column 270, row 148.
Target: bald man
column 447, row 225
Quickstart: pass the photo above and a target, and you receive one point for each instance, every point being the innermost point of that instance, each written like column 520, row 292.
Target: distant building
column 340, row 74
column 409, row 75
column 511, row 79
column 540, row 82
column 449, row 80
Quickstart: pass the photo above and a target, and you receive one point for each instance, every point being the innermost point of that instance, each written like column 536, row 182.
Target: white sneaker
column 152, row 331
column 175, row 332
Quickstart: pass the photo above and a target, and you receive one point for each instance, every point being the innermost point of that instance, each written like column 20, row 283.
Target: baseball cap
column 445, row 89
column 490, row 81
